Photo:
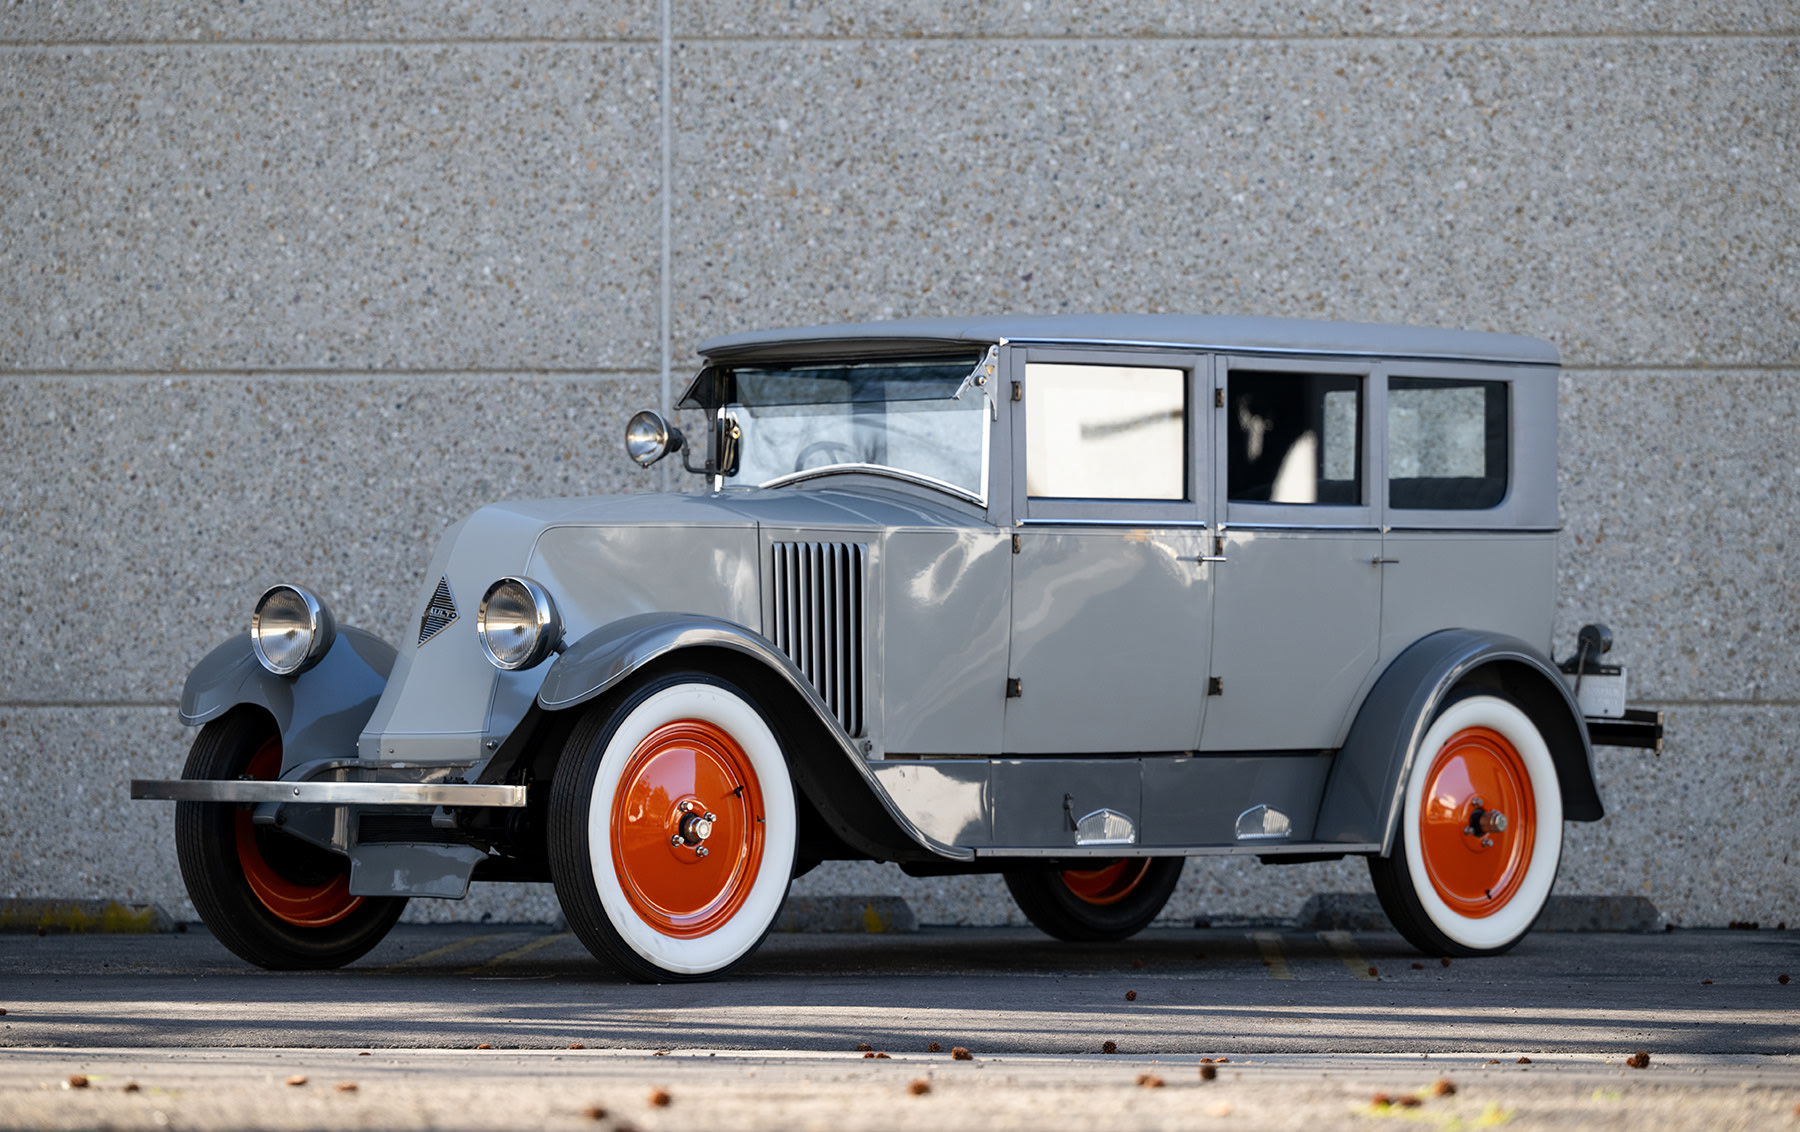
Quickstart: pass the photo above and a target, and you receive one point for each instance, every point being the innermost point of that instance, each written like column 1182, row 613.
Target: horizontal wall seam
column 1778, row 35
column 171, row 705
column 1650, row 367
column 603, row 373
column 162, row 705
column 1715, row 703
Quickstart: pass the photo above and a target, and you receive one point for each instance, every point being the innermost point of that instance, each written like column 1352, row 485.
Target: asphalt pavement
column 463, row 1026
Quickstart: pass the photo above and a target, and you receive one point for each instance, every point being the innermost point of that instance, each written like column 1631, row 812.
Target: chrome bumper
column 328, row 793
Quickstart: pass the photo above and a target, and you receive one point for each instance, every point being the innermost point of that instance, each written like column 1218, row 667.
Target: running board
column 328, row 793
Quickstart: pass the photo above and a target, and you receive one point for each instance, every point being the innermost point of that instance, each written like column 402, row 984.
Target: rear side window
column 1294, row 438
column 1446, row 442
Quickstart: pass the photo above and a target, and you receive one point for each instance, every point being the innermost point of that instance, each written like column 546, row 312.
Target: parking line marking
column 515, row 953
column 1269, row 943
column 435, row 953
column 1345, row 946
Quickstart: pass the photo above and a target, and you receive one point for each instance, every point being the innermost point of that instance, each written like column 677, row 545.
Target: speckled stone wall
column 287, row 287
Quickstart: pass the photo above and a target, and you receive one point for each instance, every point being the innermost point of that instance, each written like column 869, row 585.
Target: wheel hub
column 687, row 828
column 1477, row 825
column 693, row 825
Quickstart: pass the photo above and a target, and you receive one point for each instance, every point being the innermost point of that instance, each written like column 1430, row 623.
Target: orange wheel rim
column 308, row 905
column 1479, row 822
column 687, row 828
column 1108, row 884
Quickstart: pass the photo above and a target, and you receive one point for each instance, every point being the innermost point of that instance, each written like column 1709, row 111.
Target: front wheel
column 1480, row 835
column 672, row 828
column 1114, row 900
column 274, row 900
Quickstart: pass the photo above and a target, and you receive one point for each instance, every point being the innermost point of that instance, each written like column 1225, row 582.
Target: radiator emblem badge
column 439, row 612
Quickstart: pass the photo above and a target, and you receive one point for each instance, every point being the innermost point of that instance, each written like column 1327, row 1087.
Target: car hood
column 602, row 560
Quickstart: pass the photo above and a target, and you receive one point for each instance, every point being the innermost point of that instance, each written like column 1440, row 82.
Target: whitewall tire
column 673, row 828
column 1480, row 833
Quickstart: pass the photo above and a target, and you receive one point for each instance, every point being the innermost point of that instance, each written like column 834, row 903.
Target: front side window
column 1105, row 432
column 1293, row 438
column 901, row 415
column 1446, row 443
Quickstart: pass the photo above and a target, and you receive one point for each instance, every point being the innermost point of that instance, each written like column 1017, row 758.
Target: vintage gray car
column 1066, row 598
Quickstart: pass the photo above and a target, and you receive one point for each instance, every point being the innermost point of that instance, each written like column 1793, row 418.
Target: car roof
column 1226, row 333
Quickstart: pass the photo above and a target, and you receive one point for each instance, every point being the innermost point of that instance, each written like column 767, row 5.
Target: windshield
column 900, row 415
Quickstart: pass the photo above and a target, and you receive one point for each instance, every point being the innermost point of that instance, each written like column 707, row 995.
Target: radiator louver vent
column 819, row 620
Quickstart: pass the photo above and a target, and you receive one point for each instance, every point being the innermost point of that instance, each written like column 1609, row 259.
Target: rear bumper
column 1636, row 728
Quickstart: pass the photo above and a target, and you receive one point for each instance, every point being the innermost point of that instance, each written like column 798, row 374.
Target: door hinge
column 1015, row 687
column 1015, row 544
column 1018, row 391
column 1215, row 686
column 1218, row 398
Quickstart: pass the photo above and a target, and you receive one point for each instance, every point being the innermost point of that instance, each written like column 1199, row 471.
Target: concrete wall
column 285, row 288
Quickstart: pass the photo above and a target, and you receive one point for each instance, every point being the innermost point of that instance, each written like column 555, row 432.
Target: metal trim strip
column 1217, row 850
column 328, row 793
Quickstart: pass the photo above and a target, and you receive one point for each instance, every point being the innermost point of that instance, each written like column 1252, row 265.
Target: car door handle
column 1207, row 558
column 1384, row 561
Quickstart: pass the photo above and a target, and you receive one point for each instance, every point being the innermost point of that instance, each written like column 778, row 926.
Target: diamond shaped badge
column 439, row 612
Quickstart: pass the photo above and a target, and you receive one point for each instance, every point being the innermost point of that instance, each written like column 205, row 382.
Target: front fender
column 1365, row 792
column 606, row 657
column 320, row 712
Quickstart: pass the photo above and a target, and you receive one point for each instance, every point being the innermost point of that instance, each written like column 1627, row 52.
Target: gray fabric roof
column 1212, row 332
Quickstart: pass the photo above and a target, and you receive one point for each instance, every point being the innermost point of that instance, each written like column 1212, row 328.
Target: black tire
column 329, row 930
column 1452, row 891
column 1103, row 905
column 657, row 908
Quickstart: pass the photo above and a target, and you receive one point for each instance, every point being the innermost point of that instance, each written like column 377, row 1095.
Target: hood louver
column 818, row 622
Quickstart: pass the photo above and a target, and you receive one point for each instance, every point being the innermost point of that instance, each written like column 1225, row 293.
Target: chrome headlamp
column 518, row 624
column 291, row 629
column 648, row 438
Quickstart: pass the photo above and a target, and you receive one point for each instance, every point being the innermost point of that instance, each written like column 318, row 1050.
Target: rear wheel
column 672, row 828
column 1112, row 900
column 274, row 900
column 1480, row 834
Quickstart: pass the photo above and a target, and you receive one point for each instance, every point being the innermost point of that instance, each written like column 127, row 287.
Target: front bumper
column 328, row 793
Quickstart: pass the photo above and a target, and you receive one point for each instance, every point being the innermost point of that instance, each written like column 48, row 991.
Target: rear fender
column 319, row 713
column 1365, row 792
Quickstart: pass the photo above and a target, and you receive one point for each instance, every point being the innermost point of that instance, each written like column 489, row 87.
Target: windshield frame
column 713, row 388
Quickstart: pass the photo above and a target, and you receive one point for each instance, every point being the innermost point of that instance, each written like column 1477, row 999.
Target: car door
column 1111, row 578
column 1298, row 597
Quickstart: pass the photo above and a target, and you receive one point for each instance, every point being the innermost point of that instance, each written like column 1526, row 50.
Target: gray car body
column 1030, row 678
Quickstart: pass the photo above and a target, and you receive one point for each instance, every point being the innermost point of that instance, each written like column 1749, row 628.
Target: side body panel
column 939, row 668
column 1497, row 582
column 1038, row 801
column 1210, row 800
column 1180, row 803
column 1109, row 640
column 1295, row 630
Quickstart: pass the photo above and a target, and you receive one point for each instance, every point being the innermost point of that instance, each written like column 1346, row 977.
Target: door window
column 1447, row 443
column 1105, row 432
column 1293, row 438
